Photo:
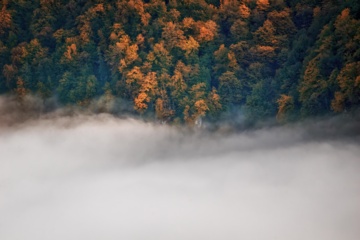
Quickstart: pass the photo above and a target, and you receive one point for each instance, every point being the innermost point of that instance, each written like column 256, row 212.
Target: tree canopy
column 179, row 60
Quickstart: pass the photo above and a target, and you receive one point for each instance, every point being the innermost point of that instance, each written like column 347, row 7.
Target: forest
column 178, row 61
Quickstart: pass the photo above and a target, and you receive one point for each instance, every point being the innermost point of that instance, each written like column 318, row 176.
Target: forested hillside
column 176, row 61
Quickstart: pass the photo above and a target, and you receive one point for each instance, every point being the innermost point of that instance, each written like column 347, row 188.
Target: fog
column 100, row 177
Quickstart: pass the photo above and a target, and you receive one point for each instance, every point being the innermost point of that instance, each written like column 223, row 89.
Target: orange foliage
column 162, row 109
column 232, row 61
column 20, row 89
column 140, row 39
column 263, row 52
column 285, row 104
column 349, row 83
column 262, row 5
column 5, row 20
column 172, row 35
column 19, row 53
column 147, row 90
column 141, row 102
column 338, row 103
column 239, row 29
column 188, row 22
column 214, row 100
column 244, row 11
column 189, row 45
column 84, row 27
column 316, row 11
column 160, row 56
column 9, row 72
column 134, row 75
column 265, row 35
column 207, row 31
column 201, row 107
column 70, row 51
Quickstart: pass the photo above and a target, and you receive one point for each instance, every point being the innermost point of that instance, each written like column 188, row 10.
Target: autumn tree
column 349, row 83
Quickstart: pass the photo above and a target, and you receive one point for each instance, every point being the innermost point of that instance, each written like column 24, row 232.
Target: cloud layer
column 87, row 178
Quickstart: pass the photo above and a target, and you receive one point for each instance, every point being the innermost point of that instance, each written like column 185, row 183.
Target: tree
column 349, row 83
column 314, row 90
column 285, row 106
column 5, row 20
column 230, row 89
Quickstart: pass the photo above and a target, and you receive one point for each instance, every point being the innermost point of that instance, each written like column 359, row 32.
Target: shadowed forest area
column 178, row 61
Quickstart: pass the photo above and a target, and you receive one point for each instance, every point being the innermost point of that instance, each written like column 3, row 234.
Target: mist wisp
column 98, row 177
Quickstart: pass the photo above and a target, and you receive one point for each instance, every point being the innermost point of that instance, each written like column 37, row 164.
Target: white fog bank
column 90, row 178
